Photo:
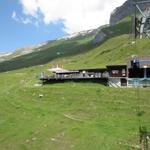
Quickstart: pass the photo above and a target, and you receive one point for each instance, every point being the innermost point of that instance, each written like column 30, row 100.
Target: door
column 123, row 82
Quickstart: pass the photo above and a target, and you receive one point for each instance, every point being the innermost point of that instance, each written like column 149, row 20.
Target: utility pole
column 141, row 20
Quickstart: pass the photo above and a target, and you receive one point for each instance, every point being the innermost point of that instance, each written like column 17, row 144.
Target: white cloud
column 25, row 21
column 20, row 20
column 14, row 16
column 76, row 15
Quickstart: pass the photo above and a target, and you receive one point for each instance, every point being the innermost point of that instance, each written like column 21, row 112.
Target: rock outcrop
column 99, row 37
column 120, row 12
column 125, row 10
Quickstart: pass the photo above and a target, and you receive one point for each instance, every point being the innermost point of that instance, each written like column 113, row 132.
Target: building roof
column 116, row 66
column 94, row 69
column 57, row 70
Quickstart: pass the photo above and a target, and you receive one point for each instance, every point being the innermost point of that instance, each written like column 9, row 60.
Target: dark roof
column 94, row 69
column 116, row 66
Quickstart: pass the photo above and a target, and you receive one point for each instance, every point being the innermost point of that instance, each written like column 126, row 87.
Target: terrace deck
column 103, row 80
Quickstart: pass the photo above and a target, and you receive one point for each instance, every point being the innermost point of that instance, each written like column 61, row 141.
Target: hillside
column 62, row 48
column 74, row 116
column 69, row 116
column 50, row 51
column 116, row 50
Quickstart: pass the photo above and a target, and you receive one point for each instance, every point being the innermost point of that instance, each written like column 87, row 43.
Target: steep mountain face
column 125, row 10
column 116, row 16
column 121, row 12
column 109, row 31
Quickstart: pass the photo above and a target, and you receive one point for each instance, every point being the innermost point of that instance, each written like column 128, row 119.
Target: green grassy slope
column 116, row 50
column 74, row 116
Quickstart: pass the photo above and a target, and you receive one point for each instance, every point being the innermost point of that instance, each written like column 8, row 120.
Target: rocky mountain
column 125, row 10
column 117, row 15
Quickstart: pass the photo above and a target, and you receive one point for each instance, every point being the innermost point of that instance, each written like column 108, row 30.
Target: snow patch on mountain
column 74, row 35
column 5, row 54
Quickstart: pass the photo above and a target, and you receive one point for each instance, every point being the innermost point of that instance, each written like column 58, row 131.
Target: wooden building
column 135, row 74
column 99, row 75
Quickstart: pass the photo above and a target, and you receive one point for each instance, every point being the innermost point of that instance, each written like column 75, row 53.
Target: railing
column 139, row 82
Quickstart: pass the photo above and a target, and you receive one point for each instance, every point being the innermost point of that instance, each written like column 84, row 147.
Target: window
column 115, row 71
column 123, row 71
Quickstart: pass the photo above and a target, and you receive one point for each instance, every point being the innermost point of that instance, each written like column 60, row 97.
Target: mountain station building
column 136, row 73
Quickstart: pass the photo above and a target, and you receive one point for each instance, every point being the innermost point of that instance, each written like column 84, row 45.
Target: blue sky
column 14, row 35
column 28, row 22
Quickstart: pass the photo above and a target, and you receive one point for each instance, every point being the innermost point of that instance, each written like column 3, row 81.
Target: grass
column 73, row 116
column 114, row 51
